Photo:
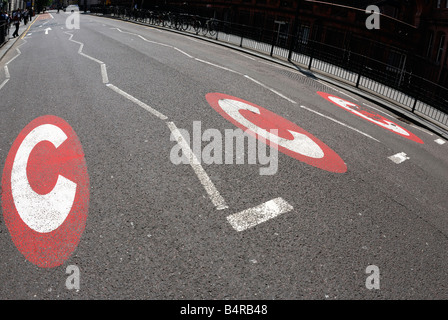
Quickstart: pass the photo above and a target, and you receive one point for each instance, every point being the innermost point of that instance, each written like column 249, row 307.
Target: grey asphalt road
column 153, row 230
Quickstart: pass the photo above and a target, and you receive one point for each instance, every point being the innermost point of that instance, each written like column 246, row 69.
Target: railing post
column 217, row 31
column 312, row 54
column 291, row 46
column 361, row 68
column 415, row 104
column 274, row 40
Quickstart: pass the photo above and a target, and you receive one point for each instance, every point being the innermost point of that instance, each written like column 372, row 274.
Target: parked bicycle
column 210, row 27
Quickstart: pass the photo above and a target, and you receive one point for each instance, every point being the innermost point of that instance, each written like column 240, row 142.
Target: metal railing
column 4, row 32
column 393, row 81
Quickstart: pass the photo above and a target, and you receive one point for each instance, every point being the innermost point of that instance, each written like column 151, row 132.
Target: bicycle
column 195, row 23
column 210, row 27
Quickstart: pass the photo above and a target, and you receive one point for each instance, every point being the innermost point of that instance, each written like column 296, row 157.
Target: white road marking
column 7, row 75
column 143, row 38
column 245, row 55
column 42, row 213
column 183, row 52
column 421, row 129
column 150, row 41
column 102, row 64
column 138, row 102
column 251, row 217
column 18, row 54
column 337, row 90
column 270, row 89
column 440, row 141
column 369, row 106
column 46, row 30
column 3, row 83
column 301, row 143
column 104, row 73
column 339, row 122
column 81, row 46
column 399, row 157
column 218, row 66
column 214, row 195
column 51, row 16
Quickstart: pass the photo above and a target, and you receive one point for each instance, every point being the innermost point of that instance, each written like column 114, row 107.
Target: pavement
column 11, row 40
column 406, row 114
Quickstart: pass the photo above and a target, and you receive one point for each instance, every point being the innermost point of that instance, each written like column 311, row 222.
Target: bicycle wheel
column 197, row 26
column 184, row 24
column 204, row 29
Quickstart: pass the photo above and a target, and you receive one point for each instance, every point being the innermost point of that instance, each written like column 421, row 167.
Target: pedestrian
column 4, row 24
column 25, row 16
column 30, row 13
column 16, row 16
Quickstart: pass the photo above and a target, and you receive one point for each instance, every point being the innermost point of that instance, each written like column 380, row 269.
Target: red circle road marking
column 372, row 117
column 45, row 196
column 291, row 139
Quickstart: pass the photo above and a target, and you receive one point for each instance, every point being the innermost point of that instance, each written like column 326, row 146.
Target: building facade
column 412, row 34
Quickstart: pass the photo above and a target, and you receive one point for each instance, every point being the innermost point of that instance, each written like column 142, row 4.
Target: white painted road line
column 214, row 195
column 104, row 73
column 183, row 52
column 251, row 217
column 215, row 65
column 423, row 130
column 337, row 90
column 3, row 83
column 150, row 41
column 399, row 157
column 339, row 122
column 7, row 75
column 440, row 141
column 138, row 102
column 270, row 89
column 369, row 106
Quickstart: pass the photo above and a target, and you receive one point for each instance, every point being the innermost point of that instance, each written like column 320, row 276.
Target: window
column 430, row 44
column 438, row 3
column 440, row 51
column 304, row 34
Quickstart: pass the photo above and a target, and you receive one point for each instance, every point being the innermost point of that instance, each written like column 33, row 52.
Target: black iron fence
column 4, row 31
column 391, row 74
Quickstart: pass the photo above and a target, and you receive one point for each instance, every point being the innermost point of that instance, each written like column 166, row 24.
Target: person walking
column 25, row 16
column 16, row 16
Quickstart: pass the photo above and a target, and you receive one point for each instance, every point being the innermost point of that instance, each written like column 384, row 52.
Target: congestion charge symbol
column 45, row 195
column 292, row 140
column 371, row 117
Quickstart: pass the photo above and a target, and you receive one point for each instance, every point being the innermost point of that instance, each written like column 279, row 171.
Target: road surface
column 138, row 96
